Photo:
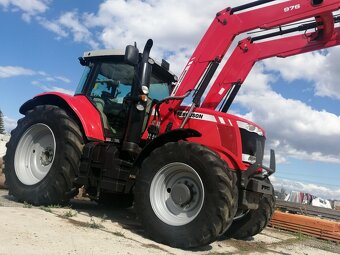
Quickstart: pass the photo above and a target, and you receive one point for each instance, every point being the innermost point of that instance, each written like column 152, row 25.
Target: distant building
column 306, row 198
column 337, row 205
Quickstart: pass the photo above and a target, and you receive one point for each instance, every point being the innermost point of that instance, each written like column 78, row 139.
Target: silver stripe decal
column 221, row 120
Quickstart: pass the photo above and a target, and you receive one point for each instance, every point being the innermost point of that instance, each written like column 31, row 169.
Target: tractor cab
column 108, row 82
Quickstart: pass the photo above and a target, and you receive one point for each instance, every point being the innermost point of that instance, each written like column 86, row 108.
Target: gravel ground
column 85, row 228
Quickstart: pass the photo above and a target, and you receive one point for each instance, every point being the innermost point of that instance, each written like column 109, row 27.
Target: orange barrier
column 323, row 229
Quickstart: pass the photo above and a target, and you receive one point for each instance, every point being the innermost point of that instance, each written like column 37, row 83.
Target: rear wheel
column 248, row 223
column 43, row 156
column 184, row 195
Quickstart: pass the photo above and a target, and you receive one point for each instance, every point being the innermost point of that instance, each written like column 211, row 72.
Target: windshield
column 113, row 82
column 83, row 79
column 158, row 89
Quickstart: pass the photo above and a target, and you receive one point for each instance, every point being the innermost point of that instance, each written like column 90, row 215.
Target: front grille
column 249, row 143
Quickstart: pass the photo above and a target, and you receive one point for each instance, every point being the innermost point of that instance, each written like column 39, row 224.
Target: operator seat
column 99, row 103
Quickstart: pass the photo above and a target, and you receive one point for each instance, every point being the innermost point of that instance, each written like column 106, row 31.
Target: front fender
column 86, row 113
column 171, row 136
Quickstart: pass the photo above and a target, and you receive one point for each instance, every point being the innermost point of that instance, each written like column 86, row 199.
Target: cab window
column 159, row 89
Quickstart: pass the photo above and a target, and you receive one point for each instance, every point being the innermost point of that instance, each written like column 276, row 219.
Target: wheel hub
column 181, row 194
column 177, row 194
column 46, row 156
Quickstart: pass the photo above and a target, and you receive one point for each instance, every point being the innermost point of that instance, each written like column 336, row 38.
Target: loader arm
column 230, row 22
column 248, row 52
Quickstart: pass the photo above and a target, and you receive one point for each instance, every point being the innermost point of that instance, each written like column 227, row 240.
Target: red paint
column 227, row 144
column 241, row 62
column 221, row 133
column 219, row 37
column 86, row 112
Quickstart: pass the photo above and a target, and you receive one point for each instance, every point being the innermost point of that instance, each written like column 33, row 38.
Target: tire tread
column 58, row 190
column 220, row 216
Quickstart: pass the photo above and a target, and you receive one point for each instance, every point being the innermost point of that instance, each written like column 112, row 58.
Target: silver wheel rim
column 163, row 185
column 34, row 154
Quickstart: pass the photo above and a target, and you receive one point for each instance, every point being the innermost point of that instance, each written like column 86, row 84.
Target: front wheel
column 184, row 195
column 43, row 156
column 248, row 223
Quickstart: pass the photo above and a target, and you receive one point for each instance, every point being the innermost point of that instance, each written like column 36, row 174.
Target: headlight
column 249, row 127
column 248, row 158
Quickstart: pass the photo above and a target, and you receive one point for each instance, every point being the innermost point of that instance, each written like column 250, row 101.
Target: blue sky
column 296, row 100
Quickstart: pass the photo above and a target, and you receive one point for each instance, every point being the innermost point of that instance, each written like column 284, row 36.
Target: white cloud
column 55, row 89
column 71, row 21
column 167, row 28
column 52, row 26
column 313, row 189
column 42, row 77
column 55, row 78
column 321, row 68
column 41, row 83
column 62, row 78
column 42, row 73
column 178, row 60
column 29, row 8
column 49, row 78
column 9, row 124
column 293, row 128
column 121, row 22
column 171, row 23
column 12, row 71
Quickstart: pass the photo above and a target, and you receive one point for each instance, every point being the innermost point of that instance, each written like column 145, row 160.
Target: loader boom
column 229, row 23
column 248, row 52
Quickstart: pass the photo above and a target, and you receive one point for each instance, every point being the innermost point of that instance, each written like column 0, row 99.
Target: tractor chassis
column 103, row 169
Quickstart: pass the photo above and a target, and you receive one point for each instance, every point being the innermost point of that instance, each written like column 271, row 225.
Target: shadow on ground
column 126, row 217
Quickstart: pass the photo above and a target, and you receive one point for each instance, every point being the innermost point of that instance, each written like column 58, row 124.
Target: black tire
column 57, row 186
column 218, row 182
column 253, row 221
column 115, row 201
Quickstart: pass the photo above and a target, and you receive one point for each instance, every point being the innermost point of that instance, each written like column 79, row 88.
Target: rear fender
column 84, row 112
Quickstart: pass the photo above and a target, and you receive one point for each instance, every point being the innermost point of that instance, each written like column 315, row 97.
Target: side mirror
column 83, row 62
column 131, row 55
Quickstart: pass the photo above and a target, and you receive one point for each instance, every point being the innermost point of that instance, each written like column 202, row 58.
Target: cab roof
column 120, row 52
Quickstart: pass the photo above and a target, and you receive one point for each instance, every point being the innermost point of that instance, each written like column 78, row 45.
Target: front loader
column 134, row 134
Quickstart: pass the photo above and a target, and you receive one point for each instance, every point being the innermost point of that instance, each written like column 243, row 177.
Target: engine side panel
column 220, row 132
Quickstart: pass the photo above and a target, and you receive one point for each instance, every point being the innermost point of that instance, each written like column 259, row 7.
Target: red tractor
column 193, row 171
